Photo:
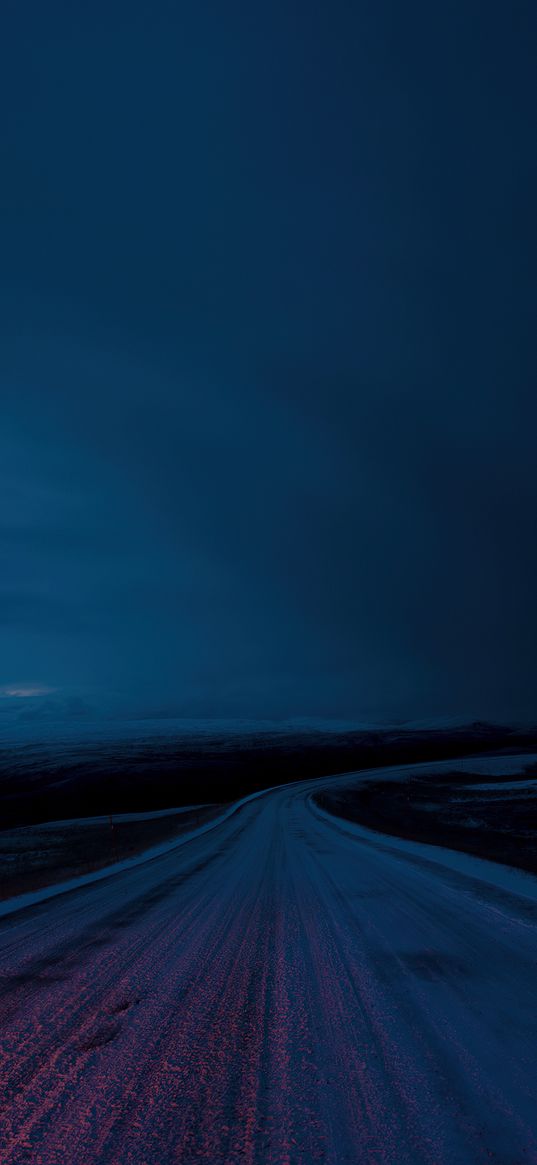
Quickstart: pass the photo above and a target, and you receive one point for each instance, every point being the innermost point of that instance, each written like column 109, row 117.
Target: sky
column 267, row 359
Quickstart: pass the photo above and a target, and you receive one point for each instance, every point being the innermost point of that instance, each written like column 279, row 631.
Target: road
column 283, row 988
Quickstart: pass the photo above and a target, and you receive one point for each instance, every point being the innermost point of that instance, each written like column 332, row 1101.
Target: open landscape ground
column 486, row 807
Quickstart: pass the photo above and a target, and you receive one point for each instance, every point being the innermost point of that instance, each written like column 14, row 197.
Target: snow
column 282, row 986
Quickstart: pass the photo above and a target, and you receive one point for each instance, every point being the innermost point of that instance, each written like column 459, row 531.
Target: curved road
column 283, row 988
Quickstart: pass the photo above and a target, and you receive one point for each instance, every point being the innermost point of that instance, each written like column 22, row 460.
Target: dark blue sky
column 268, row 365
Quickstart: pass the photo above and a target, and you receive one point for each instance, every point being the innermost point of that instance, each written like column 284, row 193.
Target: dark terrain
column 33, row 856
column 489, row 815
column 276, row 989
column 62, row 800
column 79, row 778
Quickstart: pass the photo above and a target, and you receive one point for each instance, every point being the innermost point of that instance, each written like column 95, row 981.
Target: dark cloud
column 268, row 358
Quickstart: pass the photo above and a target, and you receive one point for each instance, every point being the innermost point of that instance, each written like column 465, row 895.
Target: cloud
column 24, row 691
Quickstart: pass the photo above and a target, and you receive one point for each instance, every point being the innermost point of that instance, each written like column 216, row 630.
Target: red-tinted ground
column 277, row 991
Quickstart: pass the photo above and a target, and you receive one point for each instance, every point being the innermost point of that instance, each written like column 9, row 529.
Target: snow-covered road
column 281, row 988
